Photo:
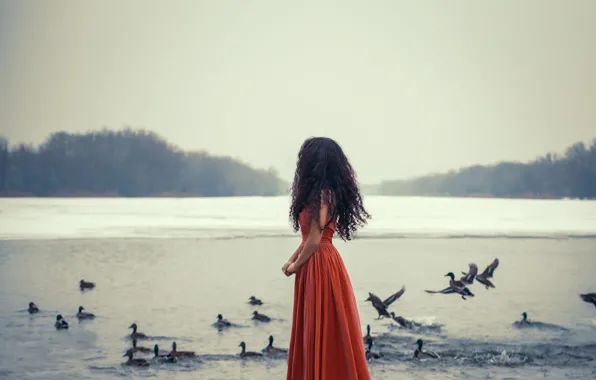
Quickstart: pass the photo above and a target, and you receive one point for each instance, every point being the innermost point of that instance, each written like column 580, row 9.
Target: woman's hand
column 285, row 268
column 293, row 268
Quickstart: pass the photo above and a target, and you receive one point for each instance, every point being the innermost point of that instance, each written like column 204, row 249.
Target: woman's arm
column 295, row 254
column 312, row 241
column 291, row 261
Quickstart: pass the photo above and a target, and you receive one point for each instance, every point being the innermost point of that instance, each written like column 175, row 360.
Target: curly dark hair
column 323, row 170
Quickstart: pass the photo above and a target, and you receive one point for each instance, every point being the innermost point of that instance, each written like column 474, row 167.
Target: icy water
column 172, row 265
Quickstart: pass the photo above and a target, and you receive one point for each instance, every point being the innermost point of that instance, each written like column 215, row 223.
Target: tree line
column 130, row 163
column 572, row 174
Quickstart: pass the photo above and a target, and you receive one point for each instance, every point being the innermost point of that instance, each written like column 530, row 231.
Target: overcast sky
column 407, row 87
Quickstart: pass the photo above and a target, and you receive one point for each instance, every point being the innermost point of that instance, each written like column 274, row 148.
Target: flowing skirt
column 326, row 341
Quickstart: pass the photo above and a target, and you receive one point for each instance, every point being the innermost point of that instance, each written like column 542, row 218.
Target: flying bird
column 589, row 298
column 455, row 286
column 469, row 277
column 381, row 306
column 489, row 272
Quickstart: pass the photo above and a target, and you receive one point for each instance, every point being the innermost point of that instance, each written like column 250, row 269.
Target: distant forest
column 570, row 175
column 130, row 163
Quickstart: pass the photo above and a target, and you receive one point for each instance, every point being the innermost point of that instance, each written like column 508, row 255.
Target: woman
column 326, row 342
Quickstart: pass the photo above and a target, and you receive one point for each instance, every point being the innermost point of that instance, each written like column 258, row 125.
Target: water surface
column 173, row 284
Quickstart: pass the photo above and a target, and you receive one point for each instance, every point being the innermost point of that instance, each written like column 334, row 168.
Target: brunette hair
column 324, row 174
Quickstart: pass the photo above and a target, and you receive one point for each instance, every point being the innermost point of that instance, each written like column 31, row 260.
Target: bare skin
column 310, row 245
column 290, row 261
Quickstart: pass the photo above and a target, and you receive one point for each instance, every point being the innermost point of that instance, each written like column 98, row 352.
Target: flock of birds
column 455, row 287
column 381, row 306
column 174, row 355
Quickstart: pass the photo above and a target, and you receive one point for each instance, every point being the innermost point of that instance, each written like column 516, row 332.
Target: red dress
column 326, row 341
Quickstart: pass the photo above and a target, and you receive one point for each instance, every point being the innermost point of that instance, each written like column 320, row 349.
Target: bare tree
column 572, row 174
column 129, row 163
column 3, row 162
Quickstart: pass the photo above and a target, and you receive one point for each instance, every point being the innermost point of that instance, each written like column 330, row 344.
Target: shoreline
column 285, row 236
column 175, row 195
column 15, row 195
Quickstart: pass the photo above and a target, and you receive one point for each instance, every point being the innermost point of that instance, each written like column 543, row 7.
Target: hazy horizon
column 289, row 178
column 433, row 86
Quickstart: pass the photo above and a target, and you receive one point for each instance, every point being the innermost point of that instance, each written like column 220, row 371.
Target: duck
column 135, row 334
column 524, row 321
column 449, row 290
column 135, row 362
column 455, row 283
column 273, row 350
column 83, row 314
column 139, row 349
column 164, row 358
column 33, row 308
column 367, row 336
column 489, row 272
column 221, row 323
column 369, row 354
column 246, row 354
column 589, row 298
column 61, row 323
column 469, row 277
column 401, row 321
column 254, row 301
column 86, row 285
column 381, row 306
column 454, row 287
column 260, row 317
column 180, row 354
column 419, row 353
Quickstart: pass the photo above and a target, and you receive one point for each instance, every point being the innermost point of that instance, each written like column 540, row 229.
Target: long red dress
column 326, row 341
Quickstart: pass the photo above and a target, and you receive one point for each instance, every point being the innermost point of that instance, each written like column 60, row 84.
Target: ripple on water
column 474, row 338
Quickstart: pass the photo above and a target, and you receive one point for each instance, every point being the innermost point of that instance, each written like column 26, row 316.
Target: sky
column 406, row 87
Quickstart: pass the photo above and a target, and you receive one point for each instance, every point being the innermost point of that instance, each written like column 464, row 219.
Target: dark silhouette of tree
column 3, row 162
column 570, row 175
column 129, row 163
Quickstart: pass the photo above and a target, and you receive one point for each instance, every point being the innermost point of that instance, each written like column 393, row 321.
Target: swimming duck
column 421, row 354
column 454, row 287
column 83, row 314
column 589, row 298
column 139, row 349
column 369, row 354
column 86, row 285
column 401, row 321
column 489, row 272
column 254, row 301
column 381, row 306
column 135, row 334
column 60, row 322
column 221, row 323
column 164, row 358
column 180, row 354
column 367, row 336
column 135, row 362
column 469, row 277
column 33, row 308
column 245, row 354
column 524, row 321
column 260, row 317
column 273, row 350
